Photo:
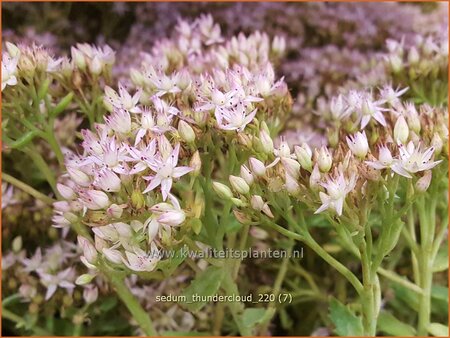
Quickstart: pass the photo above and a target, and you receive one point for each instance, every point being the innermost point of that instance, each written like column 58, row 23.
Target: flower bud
column 172, row 217
column 396, row 63
column 314, row 179
column 17, row 244
column 78, row 58
column 195, row 164
column 358, row 144
column 304, row 156
column 100, row 244
column 237, row 202
column 247, row 175
column 423, row 183
column 114, row 211
column 279, row 45
column 89, row 251
column 266, row 142
column 94, row 199
column 137, row 199
column 186, row 132
column 84, row 279
column 292, row 186
column 239, row 184
column 90, row 294
column 323, row 158
column 65, row 191
column 437, row 143
column 258, row 233
column 257, row 167
column 222, row 190
column 112, row 255
column 95, row 66
column 291, row 166
column 79, row 177
column 413, row 56
column 258, row 203
column 401, row 130
column 413, row 118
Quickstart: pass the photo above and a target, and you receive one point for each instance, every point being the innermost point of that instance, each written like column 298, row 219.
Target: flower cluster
column 124, row 183
column 386, row 136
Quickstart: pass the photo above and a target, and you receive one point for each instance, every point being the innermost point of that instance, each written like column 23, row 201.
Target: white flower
column 358, row 144
column 385, row 159
column 391, row 95
column 123, row 99
column 413, row 159
column 63, row 279
column 372, row 109
column 337, row 189
column 166, row 170
column 139, row 260
column 119, row 121
column 9, row 70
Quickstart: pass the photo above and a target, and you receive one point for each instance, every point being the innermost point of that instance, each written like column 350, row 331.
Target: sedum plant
column 187, row 153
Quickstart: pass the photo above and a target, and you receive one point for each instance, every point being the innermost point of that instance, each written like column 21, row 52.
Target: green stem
column 53, row 143
column 43, row 168
column 28, row 189
column 427, row 218
column 22, row 322
column 138, row 313
column 350, row 276
column 368, row 296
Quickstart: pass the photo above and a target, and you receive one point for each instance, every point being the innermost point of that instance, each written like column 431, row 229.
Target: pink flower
column 166, row 170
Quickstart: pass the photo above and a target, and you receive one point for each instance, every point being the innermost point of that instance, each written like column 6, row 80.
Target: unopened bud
column 84, row 279
column 239, row 184
column 291, row 166
column 222, row 190
column 195, row 164
column 291, row 185
column 423, row 183
column 17, row 244
column 89, row 251
column 266, row 142
column 186, row 132
column 323, row 158
column 90, row 294
column 304, row 156
column 257, row 167
column 65, row 191
column 114, row 211
column 112, row 255
column 78, row 58
column 137, row 199
column 401, row 130
column 247, row 175
column 314, row 179
column 437, row 143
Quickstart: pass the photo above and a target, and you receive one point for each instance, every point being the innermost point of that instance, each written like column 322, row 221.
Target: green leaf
column 345, row 321
column 207, row 283
column 390, row 325
column 438, row 330
column 252, row 316
column 23, row 140
column 65, row 101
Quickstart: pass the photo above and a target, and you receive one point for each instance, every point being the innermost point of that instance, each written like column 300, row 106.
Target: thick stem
column 138, row 313
column 427, row 218
column 368, row 296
